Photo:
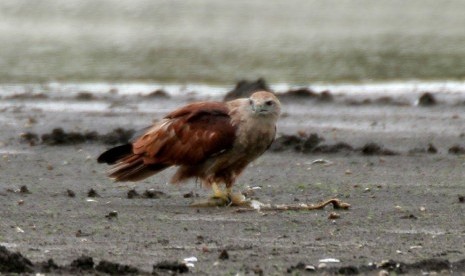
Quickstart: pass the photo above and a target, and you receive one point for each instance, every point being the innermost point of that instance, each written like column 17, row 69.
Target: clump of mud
column 224, row 255
column 27, row 96
column 375, row 149
column 427, row 99
column 15, row 262
column 381, row 101
column 457, row 149
column 149, row 193
column 24, row 190
column 390, row 266
column 306, row 94
column 115, row 268
column 300, row 142
column 245, row 88
column 312, row 144
column 85, row 96
column 173, row 267
column 158, row 94
column 59, row 137
column 83, row 263
column 92, row 193
column 30, row 137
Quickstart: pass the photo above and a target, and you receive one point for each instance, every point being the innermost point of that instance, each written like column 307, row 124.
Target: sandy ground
column 406, row 207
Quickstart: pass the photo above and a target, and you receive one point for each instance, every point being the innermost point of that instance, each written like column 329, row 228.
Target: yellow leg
column 237, row 199
column 218, row 193
column 219, row 198
column 222, row 198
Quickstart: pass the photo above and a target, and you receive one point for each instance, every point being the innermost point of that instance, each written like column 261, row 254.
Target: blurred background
column 220, row 42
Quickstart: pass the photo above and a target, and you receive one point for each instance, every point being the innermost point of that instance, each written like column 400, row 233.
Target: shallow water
column 209, row 41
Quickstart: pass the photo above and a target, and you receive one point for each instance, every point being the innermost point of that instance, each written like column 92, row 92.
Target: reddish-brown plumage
column 188, row 135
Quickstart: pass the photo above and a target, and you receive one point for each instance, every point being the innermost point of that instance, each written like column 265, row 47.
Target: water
column 296, row 42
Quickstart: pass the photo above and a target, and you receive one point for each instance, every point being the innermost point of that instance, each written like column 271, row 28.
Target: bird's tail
column 127, row 165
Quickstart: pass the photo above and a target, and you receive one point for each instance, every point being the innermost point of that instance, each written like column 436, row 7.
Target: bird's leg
column 218, row 192
column 219, row 198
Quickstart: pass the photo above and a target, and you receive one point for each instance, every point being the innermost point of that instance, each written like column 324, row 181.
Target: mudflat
column 401, row 169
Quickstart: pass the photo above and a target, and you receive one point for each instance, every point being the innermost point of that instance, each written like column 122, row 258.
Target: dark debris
column 420, row 267
column 70, row 193
column 59, row 137
column 151, row 193
column 24, row 190
column 175, row 266
column 306, row 94
column 312, row 144
column 457, row 149
column 92, row 193
column 245, row 88
column 115, row 268
column 15, row 262
column 375, row 149
column 427, row 99
column 224, row 255
column 158, row 94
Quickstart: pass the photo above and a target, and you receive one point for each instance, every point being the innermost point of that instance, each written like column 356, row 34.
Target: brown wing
column 188, row 135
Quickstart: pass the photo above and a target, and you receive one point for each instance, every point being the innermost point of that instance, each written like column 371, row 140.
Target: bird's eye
column 250, row 102
column 269, row 103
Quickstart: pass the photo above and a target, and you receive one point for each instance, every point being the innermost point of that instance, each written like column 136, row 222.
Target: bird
column 211, row 141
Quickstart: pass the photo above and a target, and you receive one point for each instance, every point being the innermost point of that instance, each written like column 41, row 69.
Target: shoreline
column 405, row 207
column 376, row 88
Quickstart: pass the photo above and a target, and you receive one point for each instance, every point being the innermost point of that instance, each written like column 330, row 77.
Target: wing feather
column 188, row 135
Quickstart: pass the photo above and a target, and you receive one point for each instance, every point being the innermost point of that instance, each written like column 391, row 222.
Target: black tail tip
column 112, row 155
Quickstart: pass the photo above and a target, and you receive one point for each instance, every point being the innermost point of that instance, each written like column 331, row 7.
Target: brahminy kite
column 210, row 141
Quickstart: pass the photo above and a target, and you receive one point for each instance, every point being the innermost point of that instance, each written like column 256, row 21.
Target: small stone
column 310, row 268
column 112, row 214
column 24, row 190
column 334, row 215
column 427, row 99
column 175, row 267
column 383, row 272
column 92, row 193
column 188, row 195
column 133, row 194
column 70, row 193
column 456, row 149
column 432, row 149
column 224, row 255
column 152, row 193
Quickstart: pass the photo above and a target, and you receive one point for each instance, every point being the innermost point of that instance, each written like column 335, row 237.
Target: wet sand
column 406, row 207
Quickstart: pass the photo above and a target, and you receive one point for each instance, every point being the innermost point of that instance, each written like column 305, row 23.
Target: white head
column 264, row 103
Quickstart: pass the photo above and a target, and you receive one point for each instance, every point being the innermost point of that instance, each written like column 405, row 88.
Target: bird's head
column 265, row 104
